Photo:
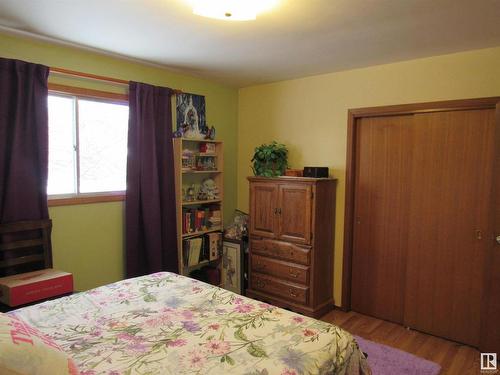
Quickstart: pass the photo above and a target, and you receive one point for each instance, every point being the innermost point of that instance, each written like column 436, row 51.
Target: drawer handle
column 291, row 253
column 294, row 274
column 261, row 284
column 292, row 293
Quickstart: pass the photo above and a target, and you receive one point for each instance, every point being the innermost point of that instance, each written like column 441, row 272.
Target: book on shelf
column 192, row 251
column 214, row 245
column 202, row 248
column 199, row 222
column 199, row 219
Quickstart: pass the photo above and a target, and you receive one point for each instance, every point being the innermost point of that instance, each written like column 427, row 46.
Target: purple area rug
column 385, row 360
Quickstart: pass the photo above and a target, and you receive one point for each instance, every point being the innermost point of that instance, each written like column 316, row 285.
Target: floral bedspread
column 169, row 324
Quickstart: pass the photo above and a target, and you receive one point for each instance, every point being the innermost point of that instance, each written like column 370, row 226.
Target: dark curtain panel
column 151, row 238
column 23, row 141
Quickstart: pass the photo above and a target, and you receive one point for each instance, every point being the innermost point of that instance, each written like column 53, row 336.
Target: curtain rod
column 97, row 77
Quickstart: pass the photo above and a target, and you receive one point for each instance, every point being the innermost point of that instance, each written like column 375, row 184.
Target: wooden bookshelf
column 198, row 140
column 183, row 180
column 193, row 203
column 201, row 232
column 201, row 264
column 198, row 172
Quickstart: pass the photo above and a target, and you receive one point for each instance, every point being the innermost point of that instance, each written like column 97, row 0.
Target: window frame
column 85, row 198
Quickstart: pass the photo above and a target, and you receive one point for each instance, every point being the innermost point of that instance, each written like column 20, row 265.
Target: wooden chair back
column 25, row 246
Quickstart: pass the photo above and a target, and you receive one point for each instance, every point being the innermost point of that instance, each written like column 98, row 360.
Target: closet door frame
column 403, row 109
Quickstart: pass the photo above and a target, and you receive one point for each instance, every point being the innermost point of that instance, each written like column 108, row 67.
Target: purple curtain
column 23, row 141
column 151, row 238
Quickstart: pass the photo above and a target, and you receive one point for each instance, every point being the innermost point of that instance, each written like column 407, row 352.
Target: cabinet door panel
column 295, row 213
column 263, row 206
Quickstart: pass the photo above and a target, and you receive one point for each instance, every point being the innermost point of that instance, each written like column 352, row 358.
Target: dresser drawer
column 280, row 269
column 283, row 289
column 281, row 250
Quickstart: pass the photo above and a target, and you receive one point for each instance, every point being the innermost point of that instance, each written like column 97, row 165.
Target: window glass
column 62, row 176
column 103, row 146
column 98, row 152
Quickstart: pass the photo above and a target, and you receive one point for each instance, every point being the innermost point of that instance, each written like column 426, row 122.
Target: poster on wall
column 191, row 116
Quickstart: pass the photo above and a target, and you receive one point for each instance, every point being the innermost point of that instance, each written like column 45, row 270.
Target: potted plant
column 270, row 160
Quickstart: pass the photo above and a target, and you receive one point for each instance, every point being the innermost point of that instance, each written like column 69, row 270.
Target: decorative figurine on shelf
column 208, row 190
column 202, row 196
column 204, row 132
column 210, row 133
column 206, row 163
column 187, row 160
column 238, row 229
column 179, row 133
column 207, row 148
column 209, row 164
column 199, row 164
column 190, row 194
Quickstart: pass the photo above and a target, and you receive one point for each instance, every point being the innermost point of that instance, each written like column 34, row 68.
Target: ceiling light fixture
column 232, row 10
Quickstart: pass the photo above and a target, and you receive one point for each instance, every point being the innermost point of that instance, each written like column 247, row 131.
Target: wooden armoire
column 291, row 242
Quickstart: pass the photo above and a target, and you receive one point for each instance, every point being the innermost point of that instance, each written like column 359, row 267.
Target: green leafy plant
column 270, row 160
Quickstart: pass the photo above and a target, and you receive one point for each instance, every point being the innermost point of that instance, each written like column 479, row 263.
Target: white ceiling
column 299, row 38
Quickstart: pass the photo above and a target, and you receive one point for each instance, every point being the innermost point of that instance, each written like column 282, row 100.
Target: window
column 87, row 145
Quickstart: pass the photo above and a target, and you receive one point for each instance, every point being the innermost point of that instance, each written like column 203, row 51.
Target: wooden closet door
column 295, row 213
column 448, row 224
column 264, row 207
column 384, row 149
column 490, row 329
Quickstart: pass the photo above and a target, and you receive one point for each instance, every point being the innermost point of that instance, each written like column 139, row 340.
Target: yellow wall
column 310, row 114
column 88, row 239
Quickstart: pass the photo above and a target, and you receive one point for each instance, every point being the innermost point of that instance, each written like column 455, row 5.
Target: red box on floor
column 34, row 286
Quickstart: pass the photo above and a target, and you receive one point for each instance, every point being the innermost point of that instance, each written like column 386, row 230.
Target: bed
column 169, row 324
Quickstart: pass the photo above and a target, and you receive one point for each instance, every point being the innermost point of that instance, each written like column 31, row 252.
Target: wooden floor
column 454, row 358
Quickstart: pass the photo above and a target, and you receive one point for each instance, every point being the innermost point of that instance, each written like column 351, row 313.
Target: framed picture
column 232, row 266
column 190, row 111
